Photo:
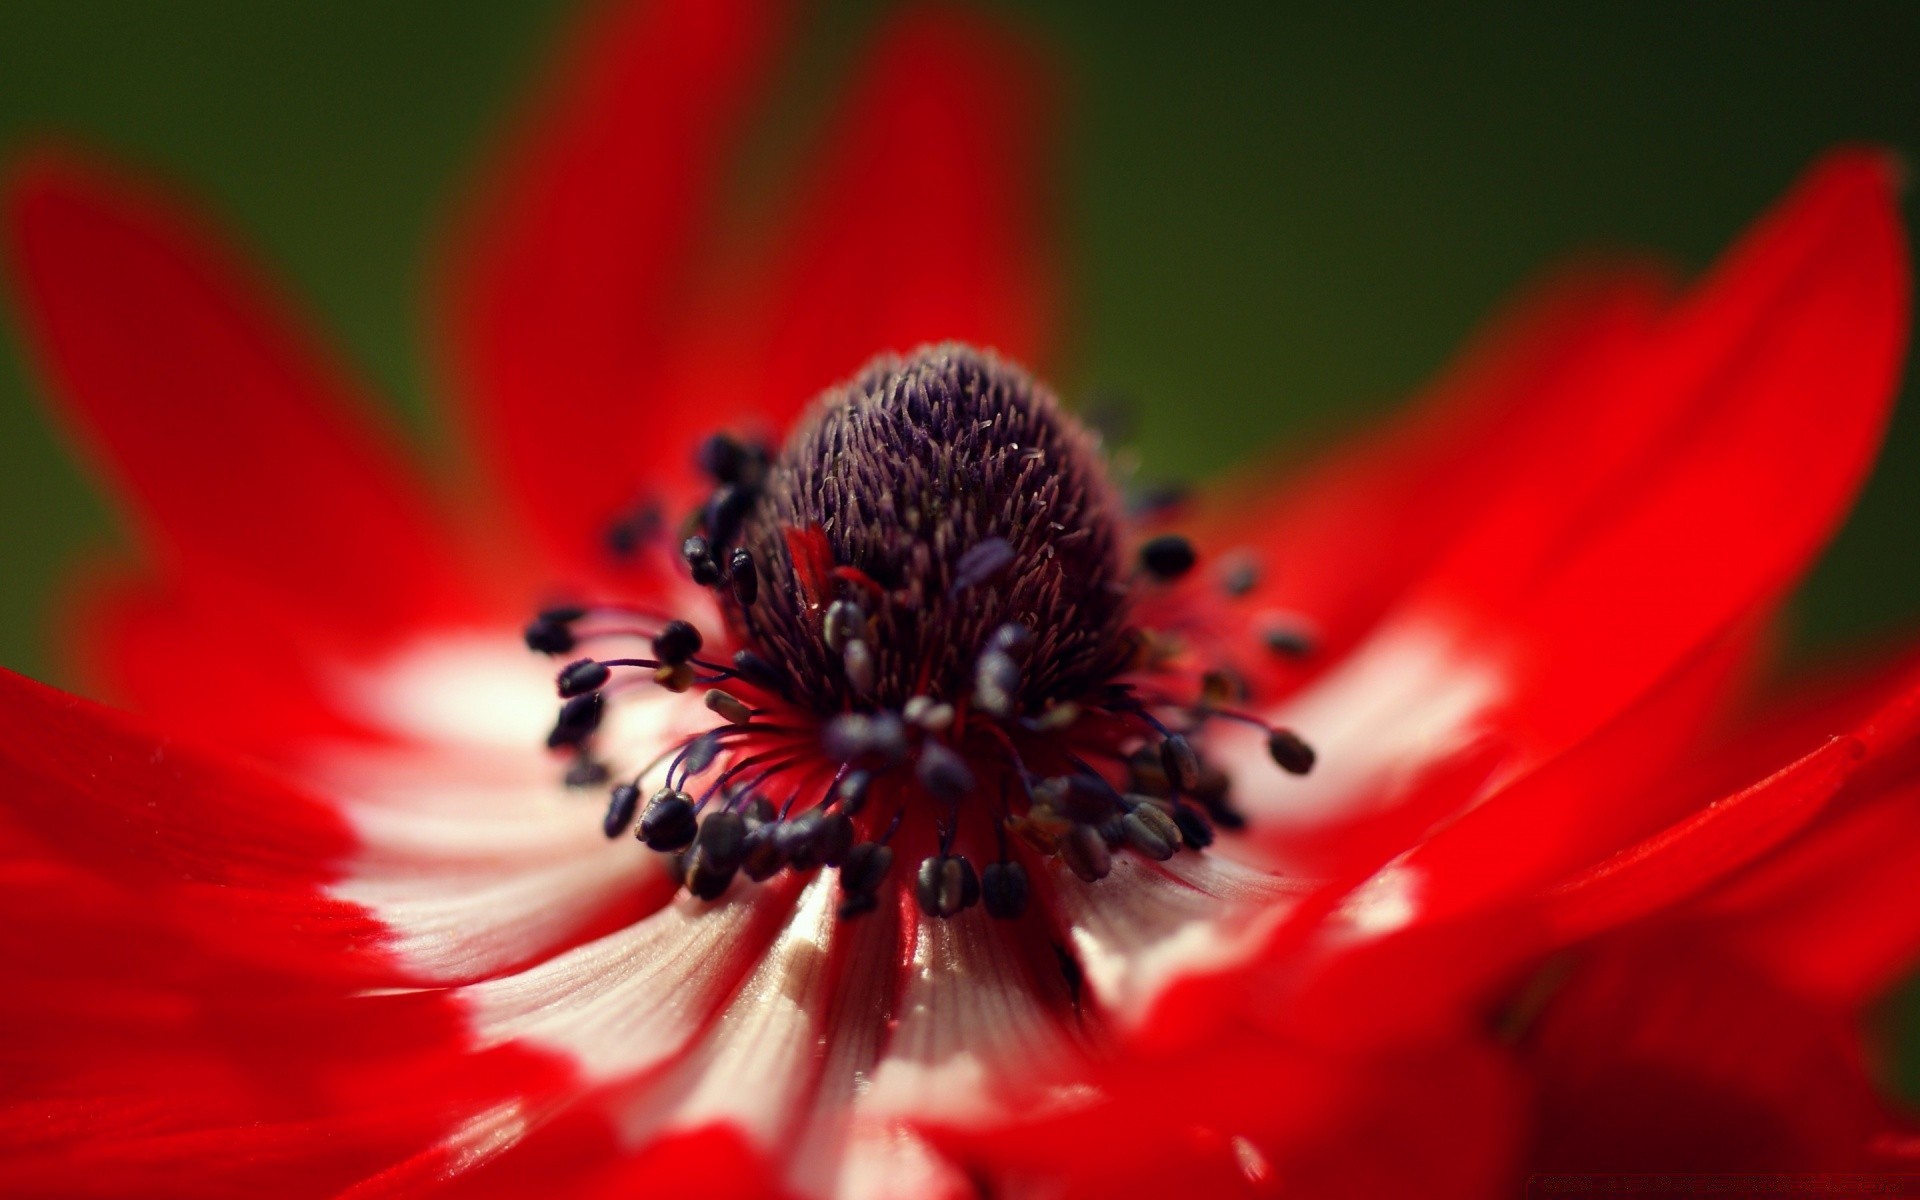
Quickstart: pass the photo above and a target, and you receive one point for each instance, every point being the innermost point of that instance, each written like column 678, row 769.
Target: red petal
column 1668, row 1056
column 921, row 221
column 1834, row 915
column 180, row 1014
column 564, row 301
column 1342, row 544
column 1714, row 465
column 147, row 647
column 1829, row 910
column 1253, row 1115
column 241, row 446
column 229, row 853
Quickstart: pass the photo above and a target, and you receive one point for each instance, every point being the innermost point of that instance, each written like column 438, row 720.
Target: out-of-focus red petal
column 1253, row 1115
column 1834, row 890
column 145, row 646
column 1678, row 861
column 183, row 1011
column 567, row 281
column 241, row 447
column 1717, row 460
column 922, row 218
column 1669, row 1056
column 1346, row 540
column 1836, row 916
column 224, row 850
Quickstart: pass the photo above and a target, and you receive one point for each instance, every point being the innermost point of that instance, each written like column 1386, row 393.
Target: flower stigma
column 942, row 655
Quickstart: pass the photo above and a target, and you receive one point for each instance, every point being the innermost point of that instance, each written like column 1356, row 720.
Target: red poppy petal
column 243, row 449
column 1836, row 916
column 566, row 285
column 184, row 1010
column 1249, row 1114
column 1341, row 544
column 1705, row 846
column 146, row 645
column 917, row 222
column 1667, row 1055
column 1715, row 465
column 233, row 855
column 921, row 221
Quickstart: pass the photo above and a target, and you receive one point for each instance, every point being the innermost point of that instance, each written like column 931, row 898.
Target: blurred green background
column 1282, row 217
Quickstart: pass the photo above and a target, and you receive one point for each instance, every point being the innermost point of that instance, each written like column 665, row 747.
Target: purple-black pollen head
column 952, row 495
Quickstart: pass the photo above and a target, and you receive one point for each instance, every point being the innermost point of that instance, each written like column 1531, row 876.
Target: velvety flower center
column 917, row 511
column 933, row 642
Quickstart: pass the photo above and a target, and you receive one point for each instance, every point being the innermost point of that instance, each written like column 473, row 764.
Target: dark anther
column 699, row 556
column 548, row 637
column 764, row 855
column 1085, row 853
column 724, row 458
column 853, row 791
column 929, row 714
column 561, row 614
column 743, row 576
column 579, row 717
column 1181, row 764
column 857, row 904
column 981, row 562
column 676, row 643
column 1239, row 575
column 943, row 773
column 586, row 773
column 856, row 736
column 1083, row 797
column 1013, row 640
column 1112, row 831
column 726, row 508
column 1222, row 813
column 700, row 754
column 946, row 886
column 627, row 534
column 620, row 809
column 865, row 867
column 1219, row 688
column 1194, row 830
column 1003, row 886
column 717, row 852
column 668, row 823
column 856, row 659
column 996, row 682
column 1168, row 556
column 729, row 706
column 843, row 623
column 1151, row 832
column 1294, row 756
column 834, row 839
column 1287, row 641
column 801, row 840
column 1145, row 772
column 581, row 676
column 757, row 671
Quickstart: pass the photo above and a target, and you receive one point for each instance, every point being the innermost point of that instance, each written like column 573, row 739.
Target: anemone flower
column 922, row 810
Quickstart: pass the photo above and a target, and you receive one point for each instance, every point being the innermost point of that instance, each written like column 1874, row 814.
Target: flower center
column 937, row 647
column 916, row 511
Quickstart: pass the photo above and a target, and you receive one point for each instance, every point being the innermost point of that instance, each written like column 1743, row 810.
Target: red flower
column 325, row 918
